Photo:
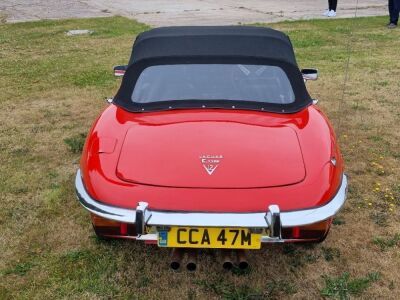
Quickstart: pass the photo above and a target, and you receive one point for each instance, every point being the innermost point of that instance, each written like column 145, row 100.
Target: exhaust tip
column 176, row 258
column 175, row 265
column 242, row 260
column 227, row 265
column 243, row 265
column 191, row 266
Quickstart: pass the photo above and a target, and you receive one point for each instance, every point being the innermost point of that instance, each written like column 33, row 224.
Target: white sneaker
column 326, row 12
column 332, row 13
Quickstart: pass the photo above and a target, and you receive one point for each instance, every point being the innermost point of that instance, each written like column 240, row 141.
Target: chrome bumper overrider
column 272, row 218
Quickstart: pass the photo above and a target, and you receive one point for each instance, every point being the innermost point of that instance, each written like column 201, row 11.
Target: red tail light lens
column 315, row 231
column 105, row 227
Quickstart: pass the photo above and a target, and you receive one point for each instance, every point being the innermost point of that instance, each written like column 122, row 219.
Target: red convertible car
column 212, row 141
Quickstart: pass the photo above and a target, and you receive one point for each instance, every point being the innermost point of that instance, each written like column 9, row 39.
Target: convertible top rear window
column 210, row 82
column 226, row 67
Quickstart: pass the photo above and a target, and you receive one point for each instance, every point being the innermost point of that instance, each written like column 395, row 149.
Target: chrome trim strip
column 264, row 239
column 148, row 237
column 208, row 219
column 248, row 220
column 318, row 214
column 106, row 211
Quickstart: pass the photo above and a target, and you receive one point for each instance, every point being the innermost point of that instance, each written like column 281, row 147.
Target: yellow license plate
column 202, row 237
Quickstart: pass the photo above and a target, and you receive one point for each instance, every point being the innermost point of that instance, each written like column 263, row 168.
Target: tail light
column 105, row 227
column 315, row 231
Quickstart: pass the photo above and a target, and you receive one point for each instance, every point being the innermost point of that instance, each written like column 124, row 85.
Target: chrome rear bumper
column 272, row 218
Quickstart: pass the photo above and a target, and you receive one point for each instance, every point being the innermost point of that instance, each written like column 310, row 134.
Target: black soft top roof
column 212, row 45
column 211, row 41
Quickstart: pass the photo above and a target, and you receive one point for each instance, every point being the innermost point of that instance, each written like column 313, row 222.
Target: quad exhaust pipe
column 241, row 259
column 243, row 264
column 191, row 264
column 177, row 257
column 228, row 263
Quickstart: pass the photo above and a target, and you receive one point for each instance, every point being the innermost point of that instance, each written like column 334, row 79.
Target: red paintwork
column 169, row 155
column 268, row 158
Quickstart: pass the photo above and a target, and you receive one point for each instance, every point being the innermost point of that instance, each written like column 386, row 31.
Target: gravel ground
column 184, row 12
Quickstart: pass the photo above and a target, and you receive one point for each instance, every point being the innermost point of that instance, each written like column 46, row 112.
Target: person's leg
column 329, row 4
column 396, row 11
column 332, row 8
column 326, row 12
column 393, row 13
column 334, row 5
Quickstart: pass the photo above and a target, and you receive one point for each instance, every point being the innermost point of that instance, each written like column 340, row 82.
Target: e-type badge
column 210, row 162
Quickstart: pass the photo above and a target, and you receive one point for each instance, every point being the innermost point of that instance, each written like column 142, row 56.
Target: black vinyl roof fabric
column 211, row 41
column 212, row 45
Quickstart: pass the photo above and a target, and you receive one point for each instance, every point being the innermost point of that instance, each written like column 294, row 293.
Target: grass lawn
column 51, row 89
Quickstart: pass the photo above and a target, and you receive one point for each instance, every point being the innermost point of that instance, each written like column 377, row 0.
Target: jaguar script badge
column 210, row 162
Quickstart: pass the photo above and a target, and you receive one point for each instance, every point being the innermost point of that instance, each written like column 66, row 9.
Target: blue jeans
column 394, row 10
